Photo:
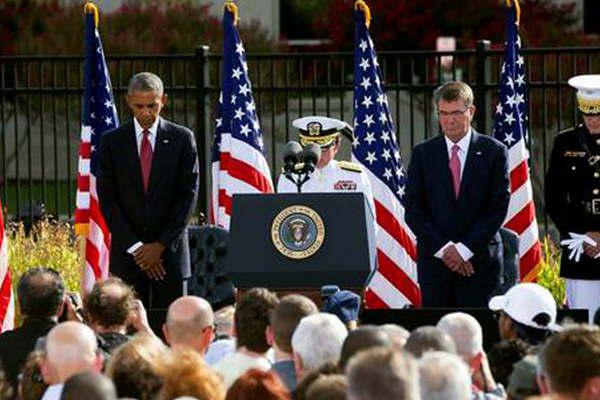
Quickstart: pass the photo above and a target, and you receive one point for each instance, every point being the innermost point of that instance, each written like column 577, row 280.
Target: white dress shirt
column 463, row 145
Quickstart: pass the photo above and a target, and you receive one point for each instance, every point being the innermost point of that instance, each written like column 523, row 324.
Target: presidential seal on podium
column 298, row 232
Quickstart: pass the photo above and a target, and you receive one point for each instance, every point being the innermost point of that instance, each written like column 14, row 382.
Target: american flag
column 99, row 116
column 510, row 127
column 7, row 302
column 238, row 162
column 394, row 284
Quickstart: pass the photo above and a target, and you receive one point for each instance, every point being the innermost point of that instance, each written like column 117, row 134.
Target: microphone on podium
column 292, row 155
column 311, row 155
column 298, row 163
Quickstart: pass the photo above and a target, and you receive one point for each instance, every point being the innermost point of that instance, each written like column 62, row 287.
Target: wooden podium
column 299, row 242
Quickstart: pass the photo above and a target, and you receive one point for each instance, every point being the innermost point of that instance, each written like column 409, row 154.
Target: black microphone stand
column 298, row 178
column 310, row 155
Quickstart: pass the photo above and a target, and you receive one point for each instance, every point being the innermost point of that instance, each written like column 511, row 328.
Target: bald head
column 70, row 349
column 189, row 323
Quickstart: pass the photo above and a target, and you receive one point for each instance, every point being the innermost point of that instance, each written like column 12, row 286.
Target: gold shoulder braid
column 350, row 166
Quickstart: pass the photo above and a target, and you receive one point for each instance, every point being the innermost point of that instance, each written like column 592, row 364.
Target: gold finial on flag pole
column 362, row 5
column 509, row 3
column 91, row 8
column 233, row 8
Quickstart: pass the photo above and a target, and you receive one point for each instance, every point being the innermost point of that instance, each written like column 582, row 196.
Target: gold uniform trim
column 321, row 141
column 588, row 106
column 350, row 166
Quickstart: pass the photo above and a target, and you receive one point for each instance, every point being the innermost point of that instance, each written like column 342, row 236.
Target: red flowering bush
column 412, row 25
column 29, row 27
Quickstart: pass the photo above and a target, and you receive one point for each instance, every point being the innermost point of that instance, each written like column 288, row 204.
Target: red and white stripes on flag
column 510, row 127
column 240, row 168
column 521, row 217
column 99, row 116
column 238, row 162
column 7, row 302
column 97, row 241
column 394, row 284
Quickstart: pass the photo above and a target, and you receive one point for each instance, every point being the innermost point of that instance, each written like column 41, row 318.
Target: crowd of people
column 270, row 348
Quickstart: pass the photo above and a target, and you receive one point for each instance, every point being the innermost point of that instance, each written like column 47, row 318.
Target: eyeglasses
column 452, row 114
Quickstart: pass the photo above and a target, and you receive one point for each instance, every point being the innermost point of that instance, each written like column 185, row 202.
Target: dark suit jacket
column 437, row 217
column 16, row 345
column 162, row 214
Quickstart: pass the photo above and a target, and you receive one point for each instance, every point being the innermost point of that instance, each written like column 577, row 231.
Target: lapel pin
column 478, row 153
column 165, row 141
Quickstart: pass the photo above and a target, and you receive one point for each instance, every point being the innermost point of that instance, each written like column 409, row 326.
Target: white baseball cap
column 527, row 303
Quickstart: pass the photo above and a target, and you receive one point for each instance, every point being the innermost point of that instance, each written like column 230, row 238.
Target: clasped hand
column 455, row 262
column 148, row 257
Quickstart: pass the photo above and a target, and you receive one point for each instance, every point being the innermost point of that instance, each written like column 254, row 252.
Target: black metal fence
column 40, row 105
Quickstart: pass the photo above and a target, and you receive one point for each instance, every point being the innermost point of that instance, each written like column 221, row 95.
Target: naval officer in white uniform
column 329, row 175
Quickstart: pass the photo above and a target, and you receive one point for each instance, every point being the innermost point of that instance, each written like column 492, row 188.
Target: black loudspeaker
column 414, row 318
column 208, row 252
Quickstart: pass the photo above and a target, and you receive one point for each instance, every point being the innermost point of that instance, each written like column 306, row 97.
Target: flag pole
column 515, row 3
column 233, row 8
column 362, row 6
column 91, row 8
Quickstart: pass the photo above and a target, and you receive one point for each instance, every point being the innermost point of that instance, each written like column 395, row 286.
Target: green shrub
column 549, row 275
column 50, row 244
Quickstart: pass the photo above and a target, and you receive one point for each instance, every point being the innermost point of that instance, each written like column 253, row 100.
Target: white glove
column 575, row 244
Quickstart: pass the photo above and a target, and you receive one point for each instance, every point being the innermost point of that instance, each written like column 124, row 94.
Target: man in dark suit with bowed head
column 147, row 188
column 457, row 199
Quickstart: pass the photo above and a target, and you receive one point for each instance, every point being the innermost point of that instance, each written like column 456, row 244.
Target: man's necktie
column 454, row 165
column 146, row 158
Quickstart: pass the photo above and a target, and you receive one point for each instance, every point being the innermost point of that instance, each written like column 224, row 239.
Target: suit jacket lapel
column 133, row 155
column 473, row 157
column 161, row 146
